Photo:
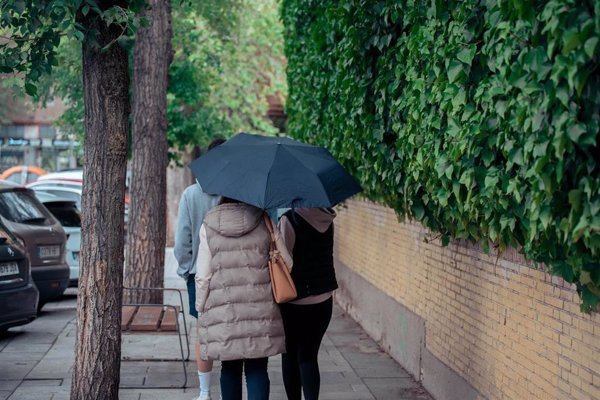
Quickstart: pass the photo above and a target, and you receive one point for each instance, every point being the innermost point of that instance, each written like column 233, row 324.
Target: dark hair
column 216, row 142
column 228, row 200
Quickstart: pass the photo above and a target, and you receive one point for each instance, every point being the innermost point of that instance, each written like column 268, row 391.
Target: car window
column 15, row 178
column 17, row 206
column 31, row 177
column 66, row 195
column 6, row 235
column 67, row 216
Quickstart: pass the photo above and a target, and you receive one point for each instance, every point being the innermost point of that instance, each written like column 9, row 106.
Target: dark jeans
column 191, row 289
column 304, row 326
column 257, row 379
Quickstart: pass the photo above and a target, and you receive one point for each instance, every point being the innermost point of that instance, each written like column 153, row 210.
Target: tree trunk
column 106, row 87
column 147, row 217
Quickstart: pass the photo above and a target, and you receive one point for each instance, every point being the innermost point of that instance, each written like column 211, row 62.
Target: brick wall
column 510, row 330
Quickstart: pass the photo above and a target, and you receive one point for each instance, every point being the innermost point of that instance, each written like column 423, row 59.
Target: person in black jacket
column 308, row 235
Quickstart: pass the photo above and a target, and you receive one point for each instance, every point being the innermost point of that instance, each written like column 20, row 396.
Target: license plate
column 9, row 268
column 48, row 251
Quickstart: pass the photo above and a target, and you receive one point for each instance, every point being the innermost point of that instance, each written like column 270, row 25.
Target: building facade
column 28, row 137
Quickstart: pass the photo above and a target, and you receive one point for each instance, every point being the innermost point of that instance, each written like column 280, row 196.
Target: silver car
column 67, row 213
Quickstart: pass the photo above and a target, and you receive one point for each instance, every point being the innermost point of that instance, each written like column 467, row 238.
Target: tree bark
column 147, row 218
column 106, row 87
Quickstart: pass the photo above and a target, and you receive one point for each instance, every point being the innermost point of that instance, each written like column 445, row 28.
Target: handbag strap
column 269, row 225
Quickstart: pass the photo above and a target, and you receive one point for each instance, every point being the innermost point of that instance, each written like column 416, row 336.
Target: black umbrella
column 274, row 172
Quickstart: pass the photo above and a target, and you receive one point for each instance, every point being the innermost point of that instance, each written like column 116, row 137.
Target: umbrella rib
column 269, row 175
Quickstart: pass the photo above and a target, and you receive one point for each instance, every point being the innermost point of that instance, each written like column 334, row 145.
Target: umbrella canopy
column 274, row 172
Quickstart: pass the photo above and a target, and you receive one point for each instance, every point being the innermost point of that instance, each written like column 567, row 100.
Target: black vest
column 313, row 271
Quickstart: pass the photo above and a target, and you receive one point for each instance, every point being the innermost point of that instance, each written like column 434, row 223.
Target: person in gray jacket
column 240, row 323
column 193, row 206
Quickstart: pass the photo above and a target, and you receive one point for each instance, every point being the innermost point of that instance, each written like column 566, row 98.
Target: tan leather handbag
column 281, row 280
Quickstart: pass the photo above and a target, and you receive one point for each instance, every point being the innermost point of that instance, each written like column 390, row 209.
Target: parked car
column 68, row 189
column 18, row 294
column 22, row 174
column 70, row 192
column 66, row 211
column 75, row 175
column 8, row 183
column 43, row 237
column 73, row 178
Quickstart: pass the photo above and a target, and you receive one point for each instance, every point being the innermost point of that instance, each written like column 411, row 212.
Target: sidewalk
column 36, row 362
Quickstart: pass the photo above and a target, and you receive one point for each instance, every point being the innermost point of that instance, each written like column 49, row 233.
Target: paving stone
column 41, row 382
column 9, row 385
column 52, row 368
column 170, row 394
column 126, row 394
column 21, row 356
column 40, row 393
column 390, row 388
column 18, row 347
column 381, row 373
column 15, row 369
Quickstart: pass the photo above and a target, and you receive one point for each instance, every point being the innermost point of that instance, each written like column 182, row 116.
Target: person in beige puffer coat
column 239, row 321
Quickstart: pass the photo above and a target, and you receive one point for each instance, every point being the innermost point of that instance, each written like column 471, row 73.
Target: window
column 12, row 131
column 64, row 194
column 6, row 235
column 47, row 132
column 18, row 206
column 65, row 212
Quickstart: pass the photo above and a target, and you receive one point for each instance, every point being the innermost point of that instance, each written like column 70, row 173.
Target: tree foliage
column 228, row 58
column 480, row 119
column 32, row 32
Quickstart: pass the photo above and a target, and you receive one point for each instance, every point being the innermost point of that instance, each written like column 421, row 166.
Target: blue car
column 18, row 295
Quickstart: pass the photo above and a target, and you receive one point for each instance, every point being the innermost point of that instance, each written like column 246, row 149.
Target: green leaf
column 455, row 70
column 562, row 93
column 537, row 121
column 418, row 211
column 575, row 199
column 590, row 299
column 467, row 54
column 575, row 131
column 545, row 217
column 445, row 240
column 30, row 89
column 516, row 156
column 590, row 46
column 571, row 40
column 585, row 277
column 491, row 181
column 563, row 269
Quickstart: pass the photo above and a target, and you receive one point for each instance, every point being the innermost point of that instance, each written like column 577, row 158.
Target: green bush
column 478, row 118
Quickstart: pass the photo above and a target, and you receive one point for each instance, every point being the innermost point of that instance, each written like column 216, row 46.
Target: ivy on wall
column 478, row 118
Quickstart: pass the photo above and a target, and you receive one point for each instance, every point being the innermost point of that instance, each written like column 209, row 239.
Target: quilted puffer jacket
column 239, row 318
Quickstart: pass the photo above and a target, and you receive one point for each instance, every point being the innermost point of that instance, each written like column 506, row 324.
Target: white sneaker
column 204, row 396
